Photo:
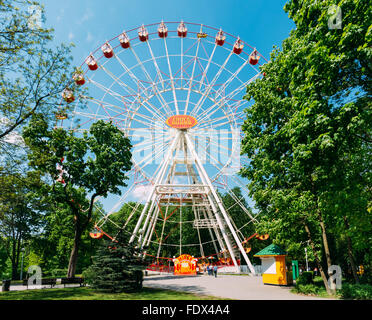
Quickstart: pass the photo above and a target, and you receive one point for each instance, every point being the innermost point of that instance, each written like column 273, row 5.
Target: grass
column 315, row 289
column 85, row 293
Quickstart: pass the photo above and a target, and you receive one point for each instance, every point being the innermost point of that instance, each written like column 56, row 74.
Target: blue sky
column 89, row 23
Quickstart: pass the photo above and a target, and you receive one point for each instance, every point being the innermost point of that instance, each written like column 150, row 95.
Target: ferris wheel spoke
column 232, row 77
column 117, row 204
column 144, row 89
column 216, row 126
column 204, row 124
column 171, row 77
column 181, row 67
column 146, row 145
column 207, row 67
column 239, row 202
column 211, row 110
column 148, row 158
column 204, row 96
column 192, row 77
column 112, row 93
column 135, row 115
column 135, row 79
column 162, row 102
column 117, row 80
column 131, row 91
column 155, row 64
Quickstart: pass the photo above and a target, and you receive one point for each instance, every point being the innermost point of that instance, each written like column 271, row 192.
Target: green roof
column 271, row 250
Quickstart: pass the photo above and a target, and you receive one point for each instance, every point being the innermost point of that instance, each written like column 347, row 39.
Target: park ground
column 169, row 287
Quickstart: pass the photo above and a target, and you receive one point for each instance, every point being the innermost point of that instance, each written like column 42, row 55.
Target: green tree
column 32, row 72
column 311, row 117
column 20, row 216
column 93, row 165
column 117, row 267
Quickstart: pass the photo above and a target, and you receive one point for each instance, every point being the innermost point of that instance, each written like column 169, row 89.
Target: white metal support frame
column 182, row 140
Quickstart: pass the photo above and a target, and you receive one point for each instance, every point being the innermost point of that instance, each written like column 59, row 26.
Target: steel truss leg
column 151, row 198
column 222, row 209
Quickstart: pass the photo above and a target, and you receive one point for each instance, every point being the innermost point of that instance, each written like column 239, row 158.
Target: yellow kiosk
column 273, row 266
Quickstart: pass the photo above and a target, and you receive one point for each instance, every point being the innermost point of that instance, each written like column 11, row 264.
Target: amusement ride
column 175, row 89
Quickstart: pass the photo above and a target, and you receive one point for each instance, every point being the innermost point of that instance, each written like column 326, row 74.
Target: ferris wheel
column 176, row 90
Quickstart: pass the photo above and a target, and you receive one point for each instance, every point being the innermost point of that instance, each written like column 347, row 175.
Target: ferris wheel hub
column 181, row 121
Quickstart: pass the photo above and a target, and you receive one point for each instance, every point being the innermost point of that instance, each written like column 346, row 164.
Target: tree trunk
column 317, row 260
column 325, row 240
column 14, row 271
column 326, row 249
column 74, row 254
column 80, row 226
column 350, row 253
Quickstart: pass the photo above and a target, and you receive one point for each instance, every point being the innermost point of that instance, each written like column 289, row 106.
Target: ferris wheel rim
column 171, row 22
column 223, row 68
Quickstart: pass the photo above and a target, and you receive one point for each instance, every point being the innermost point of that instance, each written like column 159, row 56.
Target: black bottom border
column 185, row 309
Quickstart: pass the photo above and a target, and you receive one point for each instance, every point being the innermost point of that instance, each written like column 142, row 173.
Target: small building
column 185, row 265
column 274, row 270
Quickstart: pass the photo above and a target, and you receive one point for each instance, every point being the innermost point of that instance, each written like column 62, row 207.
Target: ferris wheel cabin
column 79, row 78
column 182, row 30
column 238, row 46
column 162, row 30
column 92, row 63
column 68, row 95
column 143, row 34
column 254, row 57
column 124, row 41
column 107, row 50
column 220, row 38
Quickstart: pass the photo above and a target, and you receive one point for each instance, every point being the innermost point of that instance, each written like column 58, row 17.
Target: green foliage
column 32, row 72
column 309, row 289
column 356, row 291
column 305, row 278
column 116, row 267
column 308, row 134
column 21, row 215
column 57, row 273
column 94, row 164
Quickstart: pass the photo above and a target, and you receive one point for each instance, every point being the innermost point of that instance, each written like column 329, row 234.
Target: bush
column 116, row 267
column 88, row 276
column 307, row 289
column 356, row 291
column 305, row 278
column 58, row 273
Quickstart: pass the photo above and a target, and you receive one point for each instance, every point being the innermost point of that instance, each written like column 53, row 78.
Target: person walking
column 215, row 270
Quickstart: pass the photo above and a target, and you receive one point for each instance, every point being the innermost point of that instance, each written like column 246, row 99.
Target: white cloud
column 88, row 14
column 13, row 137
column 89, row 37
column 71, row 36
column 141, row 192
column 60, row 15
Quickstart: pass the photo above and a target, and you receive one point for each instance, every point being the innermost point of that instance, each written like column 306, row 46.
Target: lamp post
column 307, row 266
column 23, row 251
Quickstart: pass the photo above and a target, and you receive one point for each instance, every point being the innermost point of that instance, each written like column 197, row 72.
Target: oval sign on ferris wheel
column 181, row 121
